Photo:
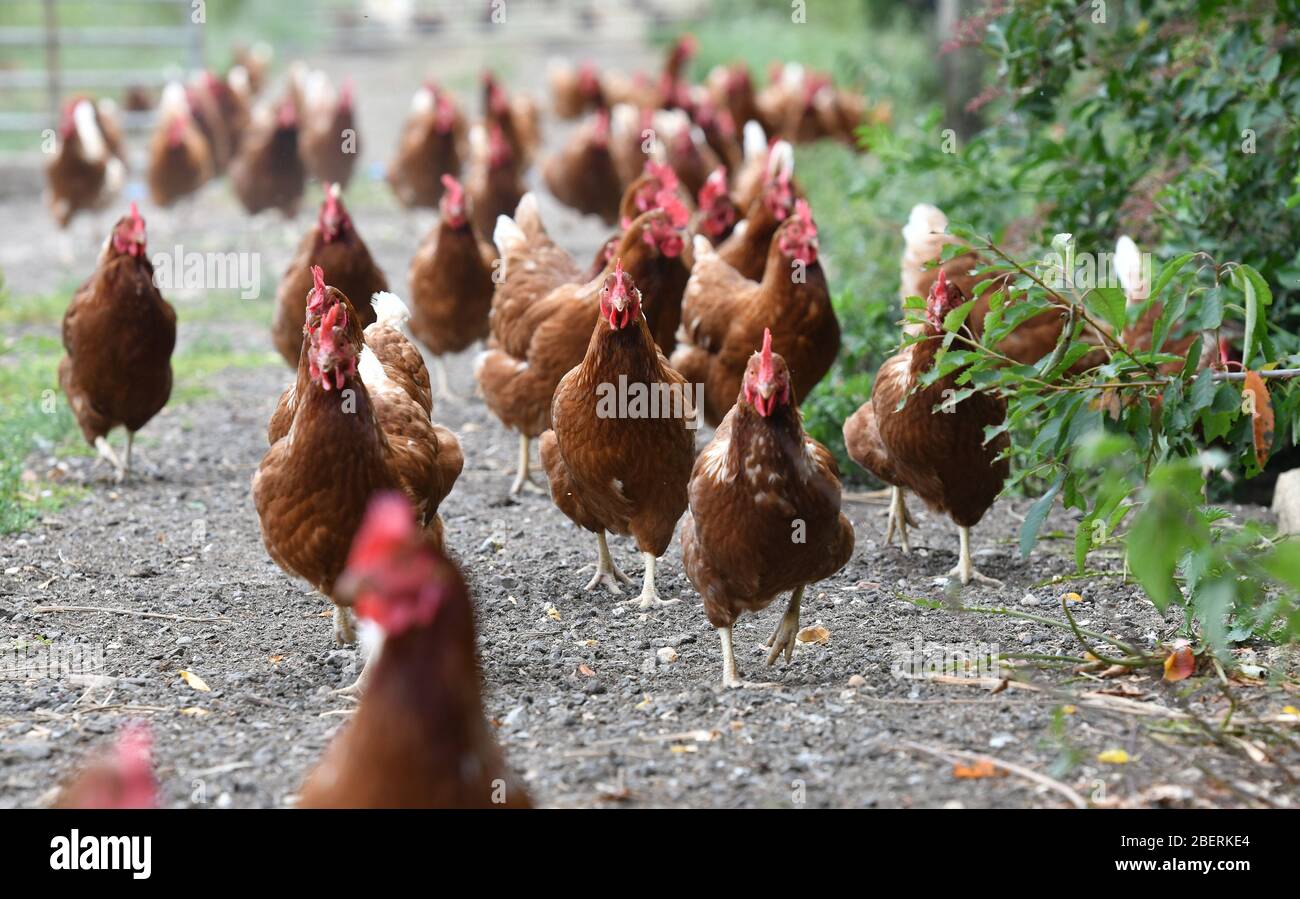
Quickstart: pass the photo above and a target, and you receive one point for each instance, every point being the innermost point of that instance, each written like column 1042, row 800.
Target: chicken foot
column 730, row 675
column 358, row 686
column 649, row 595
column 899, row 518
column 524, row 478
column 965, row 569
column 106, row 452
column 607, row 573
column 783, row 638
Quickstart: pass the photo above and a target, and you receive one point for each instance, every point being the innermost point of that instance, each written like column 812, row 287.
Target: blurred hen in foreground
column 420, row 738
column 123, row 778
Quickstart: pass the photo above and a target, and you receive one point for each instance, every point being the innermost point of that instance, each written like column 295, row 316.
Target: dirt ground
column 596, row 704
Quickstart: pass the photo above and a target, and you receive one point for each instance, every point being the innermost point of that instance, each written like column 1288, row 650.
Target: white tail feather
column 702, row 247
column 755, row 140
column 623, row 119
column 422, row 101
column 389, row 309
column 507, row 235
column 93, row 146
column 781, row 160
column 1128, row 268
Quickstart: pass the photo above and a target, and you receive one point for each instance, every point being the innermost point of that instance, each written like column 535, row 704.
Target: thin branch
column 949, row 755
column 47, row 610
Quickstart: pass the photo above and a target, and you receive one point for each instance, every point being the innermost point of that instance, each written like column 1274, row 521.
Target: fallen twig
column 47, row 610
column 953, row 755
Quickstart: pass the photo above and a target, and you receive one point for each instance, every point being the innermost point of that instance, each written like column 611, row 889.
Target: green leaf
column 1109, row 304
column 1153, row 553
column 1256, row 293
column 1037, row 515
column 1168, row 271
column 1082, row 544
column 1283, row 563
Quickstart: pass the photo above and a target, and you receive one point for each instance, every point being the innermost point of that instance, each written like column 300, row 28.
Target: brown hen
column 614, row 466
column 333, row 244
column 356, row 421
column 765, row 510
column 419, row 738
column 118, row 333
column 724, row 315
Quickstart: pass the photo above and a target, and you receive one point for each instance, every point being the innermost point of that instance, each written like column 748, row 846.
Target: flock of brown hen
column 709, row 297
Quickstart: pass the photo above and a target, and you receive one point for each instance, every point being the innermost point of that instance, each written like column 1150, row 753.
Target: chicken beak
column 618, row 311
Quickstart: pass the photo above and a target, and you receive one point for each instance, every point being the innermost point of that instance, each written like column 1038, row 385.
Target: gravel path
column 596, row 704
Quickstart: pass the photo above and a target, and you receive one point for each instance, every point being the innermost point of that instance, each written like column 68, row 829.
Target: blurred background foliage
column 1173, row 122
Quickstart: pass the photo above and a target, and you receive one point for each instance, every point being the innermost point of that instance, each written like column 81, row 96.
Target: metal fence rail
column 60, row 74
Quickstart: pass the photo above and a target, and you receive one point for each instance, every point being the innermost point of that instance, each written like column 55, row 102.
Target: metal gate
column 55, row 48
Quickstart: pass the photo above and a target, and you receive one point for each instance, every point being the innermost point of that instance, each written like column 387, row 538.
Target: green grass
column 34, row 417
column 205, row 358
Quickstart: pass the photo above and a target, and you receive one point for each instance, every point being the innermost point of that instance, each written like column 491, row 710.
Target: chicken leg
column 965, row 569
column 344, row 631
column 371, row 641
column 899, row 519
column 126, row 460
column 649, row 595
column 524, row 478
column 106, row 452
column 783, row 638
column 730, row 675
column 444, row 383
column 607, row 573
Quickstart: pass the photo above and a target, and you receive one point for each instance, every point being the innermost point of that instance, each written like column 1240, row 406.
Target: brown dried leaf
column 195, row 682
column 814, row 633
column 1180, row 663
column 977, row 770
column 585, row 670
column 1261, row 417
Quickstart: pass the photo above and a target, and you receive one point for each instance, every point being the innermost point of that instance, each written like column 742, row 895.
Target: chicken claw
column 649, row 595
column 607, row 573
column 965, row 569
column 783, row 638
column 899, row 518
column 106, row 452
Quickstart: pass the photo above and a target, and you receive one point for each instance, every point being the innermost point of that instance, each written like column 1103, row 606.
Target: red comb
column 714, row 187
column 663, row 173
column 332, row 321
column 452, row 186
column 619, row 282
column 135, row 213
column 671, row 203
column 318, row 278
column 765, row 358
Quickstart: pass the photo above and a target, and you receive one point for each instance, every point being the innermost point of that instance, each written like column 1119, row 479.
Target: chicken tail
column 508, row 235
column 755, row 141
column 923, row 240
column 390, row 311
